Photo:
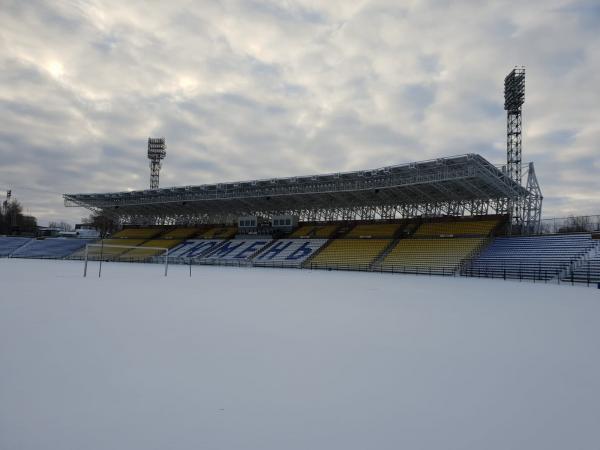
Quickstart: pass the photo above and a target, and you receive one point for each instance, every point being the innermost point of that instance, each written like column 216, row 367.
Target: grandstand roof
column 458, row 185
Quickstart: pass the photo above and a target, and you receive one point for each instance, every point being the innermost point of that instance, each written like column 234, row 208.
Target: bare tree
column 63, row 226
column 576, row 224
column 103, row 223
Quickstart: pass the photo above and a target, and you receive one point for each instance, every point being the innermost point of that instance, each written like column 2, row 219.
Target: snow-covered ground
column 242, row 358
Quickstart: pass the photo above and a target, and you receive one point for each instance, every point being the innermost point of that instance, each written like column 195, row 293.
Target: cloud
column 252, row 89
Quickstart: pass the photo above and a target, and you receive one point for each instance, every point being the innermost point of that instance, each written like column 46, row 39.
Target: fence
column 533, row 271
column 572, row 224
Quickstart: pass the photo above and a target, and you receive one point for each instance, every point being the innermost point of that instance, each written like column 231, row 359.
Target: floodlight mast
column 514, row 97
column 157, row 150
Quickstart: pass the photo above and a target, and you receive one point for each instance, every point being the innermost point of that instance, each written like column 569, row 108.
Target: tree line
column 13, row 221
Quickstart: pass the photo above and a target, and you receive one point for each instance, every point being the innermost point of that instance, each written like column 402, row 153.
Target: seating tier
column 237, row 250
column 137, row 233
column 349, row 253
column 315, row 231
column 194, row 248
column 430, row 255
column 219, row 233
column 180, row 233
column 533, row 257
column 50, row 248
column 457, row 228
column 587, row 271
column 387, row 230
column 105, row 249
column 288, row 252
column 9, row 245
column 150, row 248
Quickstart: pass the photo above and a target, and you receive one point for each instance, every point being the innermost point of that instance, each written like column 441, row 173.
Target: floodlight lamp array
column 514, row 89
column 157, row 148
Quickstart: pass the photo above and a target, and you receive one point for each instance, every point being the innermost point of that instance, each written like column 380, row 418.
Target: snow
column 251, row 358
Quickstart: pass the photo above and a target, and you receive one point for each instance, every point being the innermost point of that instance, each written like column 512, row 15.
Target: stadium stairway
column 377, row 264
column 303, row 231
column 349, row 254
column 530, row 257
column 439, row 248
column 476, row 253
column 307, row 262
column 586, row 269
column 436, row 256
column 341, row 231
column 8, row 245
column 51, row 248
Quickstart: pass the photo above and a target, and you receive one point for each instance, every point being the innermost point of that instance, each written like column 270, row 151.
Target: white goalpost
column 164, row 252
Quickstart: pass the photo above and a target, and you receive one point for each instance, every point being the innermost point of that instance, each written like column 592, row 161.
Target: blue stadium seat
column 50, row 248
column 531, row 257
column 237, row 250
column 288, row 252
column 194, row 248
column 9, row 245
column 586, row 270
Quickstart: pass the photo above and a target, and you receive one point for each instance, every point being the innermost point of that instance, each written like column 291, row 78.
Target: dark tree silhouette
column 13, row 221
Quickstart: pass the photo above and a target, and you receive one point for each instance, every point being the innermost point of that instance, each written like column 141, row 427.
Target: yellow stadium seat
column 144, row 250
column 349, row 253
column 219, row 233
column 303, row 231
column 180, row 233
column 324, row 231
column 137, row 233
column 107, row 251
column 475, row 228
column 314, row 231
column 437, row 255
column 382, row 230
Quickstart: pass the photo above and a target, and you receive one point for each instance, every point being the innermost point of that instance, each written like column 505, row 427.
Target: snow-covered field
column 239, row 358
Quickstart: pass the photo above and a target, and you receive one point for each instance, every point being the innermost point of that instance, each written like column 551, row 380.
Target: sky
column 245, row 89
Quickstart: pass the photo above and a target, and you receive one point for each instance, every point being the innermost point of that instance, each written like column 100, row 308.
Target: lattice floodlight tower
column 525, row 211
column 514, row 97
column 532, row 204
column 157, row 150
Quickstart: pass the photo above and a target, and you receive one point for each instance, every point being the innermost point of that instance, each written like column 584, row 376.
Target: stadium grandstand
column 448, row 216
column 459, row 215
column 444, row 216
column 469, row 246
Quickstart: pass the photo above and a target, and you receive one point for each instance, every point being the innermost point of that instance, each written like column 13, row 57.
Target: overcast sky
column 245, row 89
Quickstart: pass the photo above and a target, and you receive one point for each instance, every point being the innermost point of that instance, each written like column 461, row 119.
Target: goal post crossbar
column 165, row 253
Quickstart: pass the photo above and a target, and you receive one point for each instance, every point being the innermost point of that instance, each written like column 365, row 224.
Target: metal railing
column 533, row 272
